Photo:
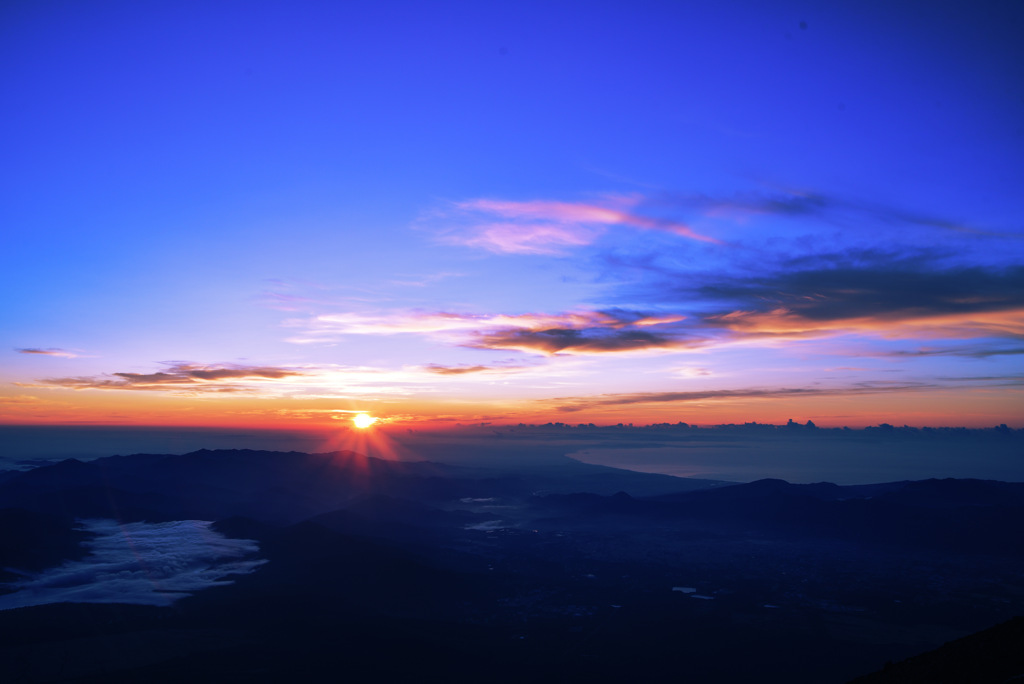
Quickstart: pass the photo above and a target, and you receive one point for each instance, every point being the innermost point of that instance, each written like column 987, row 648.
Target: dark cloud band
column 178, row 376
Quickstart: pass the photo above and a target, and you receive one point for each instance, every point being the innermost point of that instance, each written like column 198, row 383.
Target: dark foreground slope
column 407, row 571
column 992, row 656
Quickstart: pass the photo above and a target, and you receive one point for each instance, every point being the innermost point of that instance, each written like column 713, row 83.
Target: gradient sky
column 276, row 213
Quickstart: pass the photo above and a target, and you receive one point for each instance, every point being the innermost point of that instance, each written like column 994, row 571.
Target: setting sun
column 363, row 420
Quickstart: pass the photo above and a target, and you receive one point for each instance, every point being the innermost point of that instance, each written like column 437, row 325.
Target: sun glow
column 363, row 420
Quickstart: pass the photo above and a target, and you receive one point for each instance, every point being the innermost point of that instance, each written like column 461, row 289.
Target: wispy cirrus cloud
column 548, row 226
column 1009, row 380
column 284, row 302
column 398, row 322
column 24, row 400
column 965, row 352
column 441, row 369
column 574, row 404
column 50, row 351
column 551, row 227
column 409, row 280
column 811, row 204
column 179, row 376
column 580, row 332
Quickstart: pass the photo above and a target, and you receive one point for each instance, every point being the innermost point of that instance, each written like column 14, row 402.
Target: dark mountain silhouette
column 280, row 487
column 992, row 656
column 420, row 570
column 32, row 541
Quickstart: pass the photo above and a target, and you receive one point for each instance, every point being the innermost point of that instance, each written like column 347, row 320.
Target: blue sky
column 256, row 212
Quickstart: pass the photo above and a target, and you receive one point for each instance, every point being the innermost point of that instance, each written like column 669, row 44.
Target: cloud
column 573, row 404
column 20, row 400
column 52, row 351
column 143, row 563
column 1009, row 380
column 425, row 280
column 283, row 302
column 691, row 372
column 392, row 323
column 464, row 370
column 179, row 376
column 548, row 226
column 188, row 373
column 966, row 352
column 531, row 238
column 881, row 290
column 600, row 331
column 752, row 295
column 434, row 322
column 860, row 291
column 572, row 340
column 821, row 206
column 884, row 297
column 789, row 324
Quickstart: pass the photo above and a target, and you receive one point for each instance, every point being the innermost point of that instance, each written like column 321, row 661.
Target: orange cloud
column 441, row 369
column 904, row 324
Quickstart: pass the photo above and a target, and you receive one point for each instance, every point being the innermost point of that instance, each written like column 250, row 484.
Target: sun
column 363, row 420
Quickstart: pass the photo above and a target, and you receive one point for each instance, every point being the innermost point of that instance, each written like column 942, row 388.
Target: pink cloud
column 529, row 238
column 547, row 226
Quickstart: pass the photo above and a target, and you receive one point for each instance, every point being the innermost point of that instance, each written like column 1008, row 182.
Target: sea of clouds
column 144, row 563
